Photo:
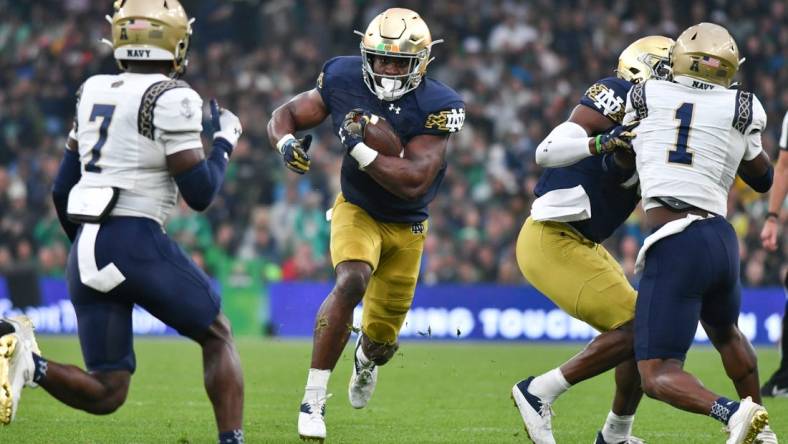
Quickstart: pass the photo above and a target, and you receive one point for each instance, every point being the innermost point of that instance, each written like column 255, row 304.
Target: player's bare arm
column 410, row 177
column 771, row 227
column 303, row 111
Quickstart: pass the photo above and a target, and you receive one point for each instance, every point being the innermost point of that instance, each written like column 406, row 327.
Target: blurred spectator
column 520, row 66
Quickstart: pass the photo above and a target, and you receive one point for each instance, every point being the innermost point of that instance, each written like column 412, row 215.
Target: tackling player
column 694, row 135
column 135, row 143
column 777, row 385
column 379, row 221
column 588, row 189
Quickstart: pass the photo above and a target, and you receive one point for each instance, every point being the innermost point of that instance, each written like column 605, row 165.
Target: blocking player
column 588, row 189
column 135, row 144
column 695, row 133
column 562, row 239
column 777, row 385
column 379, row 221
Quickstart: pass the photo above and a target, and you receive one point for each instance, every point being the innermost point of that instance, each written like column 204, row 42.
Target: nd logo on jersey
column 605, row 100
column 450, row 120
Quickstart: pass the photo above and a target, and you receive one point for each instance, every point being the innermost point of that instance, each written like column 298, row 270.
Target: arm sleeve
column 68, row 175
column 178, row 120
column 566, row 144
column 202, row 183
column 752, row 136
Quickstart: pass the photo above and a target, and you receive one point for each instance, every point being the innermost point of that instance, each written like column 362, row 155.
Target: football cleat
column 748, row 421
column 312, row 419
column 536, row 413
column 775, row 387
column 363, row 380
column 767, row 436
column 630, row 440
column 16, row 368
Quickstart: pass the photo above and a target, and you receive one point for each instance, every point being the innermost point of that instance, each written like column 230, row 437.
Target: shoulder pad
column 608, row 97
column 148, row 103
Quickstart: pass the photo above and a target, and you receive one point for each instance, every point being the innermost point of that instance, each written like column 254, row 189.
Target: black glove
column 294, row 152
column 619, row 138
column 351, row 133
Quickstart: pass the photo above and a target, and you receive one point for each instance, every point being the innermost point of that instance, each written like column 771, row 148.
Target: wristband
column 281, row 143
column 771, row 214
column 363, row 154
column 597, row 144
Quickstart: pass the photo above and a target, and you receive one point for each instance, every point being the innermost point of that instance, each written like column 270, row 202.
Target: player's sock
column 316, row 384
column 232, row 437
column 617, row 428
column 723, row 409
column 362, row 358
column 41, row 368
column 549, row 386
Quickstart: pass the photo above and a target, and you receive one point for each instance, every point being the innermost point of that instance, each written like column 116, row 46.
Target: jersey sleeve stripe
column 638, row 96
column 742, row 116
column 148, row 103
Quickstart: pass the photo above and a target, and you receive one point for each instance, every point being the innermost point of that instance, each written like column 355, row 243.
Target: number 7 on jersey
column 105, row 112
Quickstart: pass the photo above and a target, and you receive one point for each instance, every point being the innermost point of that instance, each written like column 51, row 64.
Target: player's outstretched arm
column 571, row 141
column 302, row 112
column 410, row 177
column 198, row 179
column 771, row 226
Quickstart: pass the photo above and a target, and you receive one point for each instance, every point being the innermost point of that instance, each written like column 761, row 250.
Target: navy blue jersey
column 432, row 108
column 611, row 201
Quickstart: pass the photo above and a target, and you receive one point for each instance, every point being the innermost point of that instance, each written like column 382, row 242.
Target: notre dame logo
column 417, row 228
column 449, row 120
column 606, row 101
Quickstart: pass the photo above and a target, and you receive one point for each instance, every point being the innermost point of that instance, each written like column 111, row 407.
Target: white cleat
column 16, row 365
column 363, row 380
column 536, row 414
column 767, row 436
column 312, row 419
column 747, row 423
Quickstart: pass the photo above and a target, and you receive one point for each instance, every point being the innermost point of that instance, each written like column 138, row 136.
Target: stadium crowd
column 521, row 67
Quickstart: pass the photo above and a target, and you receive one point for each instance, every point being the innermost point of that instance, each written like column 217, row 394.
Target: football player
column 379, row 221
column 134, row 145
column 695, row 133
column 777, row 385
column 588, row 189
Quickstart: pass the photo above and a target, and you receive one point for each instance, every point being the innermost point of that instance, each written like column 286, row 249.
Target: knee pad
column 378, row 352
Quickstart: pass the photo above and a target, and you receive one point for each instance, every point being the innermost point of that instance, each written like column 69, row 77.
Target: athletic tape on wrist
column 363, row 154
column 281, row 143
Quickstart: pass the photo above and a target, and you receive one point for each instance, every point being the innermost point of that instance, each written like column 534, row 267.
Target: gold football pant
column 393, row 250
column 580, row 276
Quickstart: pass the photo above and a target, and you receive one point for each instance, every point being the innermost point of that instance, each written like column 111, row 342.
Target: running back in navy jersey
column 612, row 198
column 432, row 108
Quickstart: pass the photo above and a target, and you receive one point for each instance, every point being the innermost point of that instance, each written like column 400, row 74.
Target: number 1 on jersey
column 680, row 154
column 105, row 112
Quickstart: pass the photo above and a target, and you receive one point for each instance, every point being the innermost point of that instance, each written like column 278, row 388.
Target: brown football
column 380, row 136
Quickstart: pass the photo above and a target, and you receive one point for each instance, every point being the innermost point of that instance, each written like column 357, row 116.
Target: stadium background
column 521, row 67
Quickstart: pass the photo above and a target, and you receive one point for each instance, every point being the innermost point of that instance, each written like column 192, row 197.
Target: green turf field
column 431, row 392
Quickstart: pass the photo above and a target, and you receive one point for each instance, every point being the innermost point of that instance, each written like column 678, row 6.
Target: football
column 380, row 136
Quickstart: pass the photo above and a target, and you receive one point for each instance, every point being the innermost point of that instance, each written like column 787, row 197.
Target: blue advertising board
column 494, row 312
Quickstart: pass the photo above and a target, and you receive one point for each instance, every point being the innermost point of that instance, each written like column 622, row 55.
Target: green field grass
column 431, row 392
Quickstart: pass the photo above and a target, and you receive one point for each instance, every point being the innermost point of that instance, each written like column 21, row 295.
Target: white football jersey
column 126, row 125
column 691, row 140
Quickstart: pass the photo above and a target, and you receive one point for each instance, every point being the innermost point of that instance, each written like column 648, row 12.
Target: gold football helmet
column 645, row 58
column 151, row 30
column 706, row 52
column 400, row 33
